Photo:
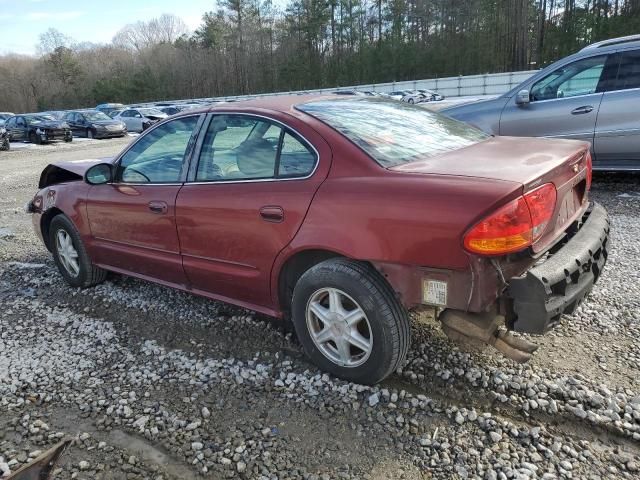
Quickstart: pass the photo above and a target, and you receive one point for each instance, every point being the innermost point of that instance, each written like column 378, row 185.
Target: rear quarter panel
column 411, row 219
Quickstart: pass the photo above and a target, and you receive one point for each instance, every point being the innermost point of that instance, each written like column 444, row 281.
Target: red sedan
column 340, row 215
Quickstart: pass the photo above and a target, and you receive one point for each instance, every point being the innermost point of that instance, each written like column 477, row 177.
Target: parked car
column 4, row 139
column 115, row 113
column 57, row 114
column 173, row 109
column 407, row 96
column 37, row 128
column 430, row 95
column 94, row 124
column 109, row 107
column 349, row 92
column 591, row 95
column 139, row 119
column 283, row 214
column 4, row 116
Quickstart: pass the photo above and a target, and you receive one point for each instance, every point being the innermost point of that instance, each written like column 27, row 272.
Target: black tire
column 90, row 134
column 33, row 138
column 68, row 139
column 5, row 145
column 387, row 318
column 89, row 275
column 411, row 101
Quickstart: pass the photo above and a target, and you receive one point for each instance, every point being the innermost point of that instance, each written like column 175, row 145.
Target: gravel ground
column 154, row 383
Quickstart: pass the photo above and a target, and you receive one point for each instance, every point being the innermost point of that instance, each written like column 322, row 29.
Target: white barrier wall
column 462, row 86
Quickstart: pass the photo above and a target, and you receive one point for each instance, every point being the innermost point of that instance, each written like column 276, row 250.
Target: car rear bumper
column 557, row 285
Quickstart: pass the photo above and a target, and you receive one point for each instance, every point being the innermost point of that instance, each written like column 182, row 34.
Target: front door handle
column 581, row 110
column 158, row 207
column 272, row 213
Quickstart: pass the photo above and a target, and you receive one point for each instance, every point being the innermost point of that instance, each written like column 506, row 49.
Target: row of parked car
column 106, row 120
column 409, row 96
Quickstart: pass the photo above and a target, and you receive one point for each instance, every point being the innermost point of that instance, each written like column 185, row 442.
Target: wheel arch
column 293, row 268
column 45, row 223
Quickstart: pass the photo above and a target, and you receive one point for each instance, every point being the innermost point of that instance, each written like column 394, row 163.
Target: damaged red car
column 340, row 215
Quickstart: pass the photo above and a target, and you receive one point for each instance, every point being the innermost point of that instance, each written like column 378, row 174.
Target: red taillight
column 589, row 163
column 541, row 203
column 514, row 226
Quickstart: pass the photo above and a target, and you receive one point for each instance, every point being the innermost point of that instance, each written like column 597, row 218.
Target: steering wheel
column 133, row 170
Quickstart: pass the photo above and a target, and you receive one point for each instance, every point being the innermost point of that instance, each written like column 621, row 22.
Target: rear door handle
column 272, row 213
column 158, row 207
column 581, row 110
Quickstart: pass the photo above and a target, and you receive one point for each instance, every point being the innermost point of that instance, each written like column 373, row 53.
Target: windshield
column 151, row 111
column 39, row 118
column 95, row 116
column 391, row 132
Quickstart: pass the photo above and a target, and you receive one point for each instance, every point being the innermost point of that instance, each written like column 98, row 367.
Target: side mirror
column 99, row 174
column 523, row 97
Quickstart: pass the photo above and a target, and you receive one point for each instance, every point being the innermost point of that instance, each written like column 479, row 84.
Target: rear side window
column 629, row 71
column 240, row 147
column 393, row 133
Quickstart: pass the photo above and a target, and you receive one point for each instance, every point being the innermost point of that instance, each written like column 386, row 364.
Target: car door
column 128, row 119
column 562, row 104
column 249, row 194
column 74, row 119
column 11, row 127
column 617, row 134
column 132, row 220
column 19, row 129
column 136, row 121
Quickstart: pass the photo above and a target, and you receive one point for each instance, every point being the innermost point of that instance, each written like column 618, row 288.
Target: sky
column 22, row 21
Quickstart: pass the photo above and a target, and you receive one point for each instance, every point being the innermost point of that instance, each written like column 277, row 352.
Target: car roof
column 613, row 44
column 274, row 103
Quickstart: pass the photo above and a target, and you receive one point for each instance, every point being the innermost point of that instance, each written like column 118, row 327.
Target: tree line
column 252, row 46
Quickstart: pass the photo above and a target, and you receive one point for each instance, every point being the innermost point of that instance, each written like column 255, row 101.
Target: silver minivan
column 593, row 95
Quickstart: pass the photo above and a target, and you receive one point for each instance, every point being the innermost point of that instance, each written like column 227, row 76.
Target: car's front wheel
column 349, row 321
column 70, row 255
column 5, row 144
column 33, row 138
column 90, row 134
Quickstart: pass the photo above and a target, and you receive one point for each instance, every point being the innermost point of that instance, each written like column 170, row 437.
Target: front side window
column 629, row 71
column 578, row 78
column 158, row 156
column 393, row 133
column 239, row 147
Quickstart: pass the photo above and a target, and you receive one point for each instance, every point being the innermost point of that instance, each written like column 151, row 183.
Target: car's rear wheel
column 349, row 321
column 411, row 100
column 70, row 255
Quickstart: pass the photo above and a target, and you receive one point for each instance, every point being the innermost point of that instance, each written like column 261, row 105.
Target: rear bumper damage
column 556, row 286
column 534, row 301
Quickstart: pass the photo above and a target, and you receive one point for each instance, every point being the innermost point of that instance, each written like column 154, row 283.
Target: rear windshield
column 393, row 132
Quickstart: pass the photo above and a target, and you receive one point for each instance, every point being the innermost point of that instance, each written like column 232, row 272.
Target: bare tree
column 141, row 35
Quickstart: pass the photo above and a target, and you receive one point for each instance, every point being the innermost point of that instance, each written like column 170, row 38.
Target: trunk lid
column 528, row 161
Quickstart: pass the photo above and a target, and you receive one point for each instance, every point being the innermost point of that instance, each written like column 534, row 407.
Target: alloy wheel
column 67, row 253
column 339, row 327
